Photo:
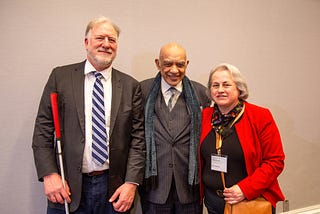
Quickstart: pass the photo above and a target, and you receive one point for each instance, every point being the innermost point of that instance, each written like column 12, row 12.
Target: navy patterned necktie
column 171, row 100
column 99, row 131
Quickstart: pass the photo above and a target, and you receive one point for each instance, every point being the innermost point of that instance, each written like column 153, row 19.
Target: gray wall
column 275, row 44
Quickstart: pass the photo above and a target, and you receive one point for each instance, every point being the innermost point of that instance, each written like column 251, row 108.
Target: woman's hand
column 233, row 194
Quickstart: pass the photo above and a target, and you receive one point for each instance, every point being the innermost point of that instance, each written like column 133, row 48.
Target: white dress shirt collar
column 88, row 68
column 165, row 86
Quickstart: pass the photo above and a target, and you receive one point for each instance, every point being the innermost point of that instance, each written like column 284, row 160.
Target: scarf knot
column 220, row 122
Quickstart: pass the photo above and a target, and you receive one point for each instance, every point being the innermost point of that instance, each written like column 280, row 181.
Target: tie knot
column 173, row 90
column 98, row 75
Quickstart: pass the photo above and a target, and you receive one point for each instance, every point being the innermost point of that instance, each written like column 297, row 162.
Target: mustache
column 105, row 50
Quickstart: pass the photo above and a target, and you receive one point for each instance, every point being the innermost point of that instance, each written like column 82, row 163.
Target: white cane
column 54, row 106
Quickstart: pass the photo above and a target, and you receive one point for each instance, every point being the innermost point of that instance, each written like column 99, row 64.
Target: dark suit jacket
column 172, row 152
column 127, row 148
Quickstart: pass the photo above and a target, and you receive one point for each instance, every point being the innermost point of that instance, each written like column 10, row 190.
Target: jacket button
column 170, row 165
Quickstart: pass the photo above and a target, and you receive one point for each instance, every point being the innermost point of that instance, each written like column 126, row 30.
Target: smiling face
column 101, row 44
column 224, row 91
column 172, row 63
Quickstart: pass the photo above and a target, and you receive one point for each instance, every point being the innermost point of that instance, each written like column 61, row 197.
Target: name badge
column 219, row 163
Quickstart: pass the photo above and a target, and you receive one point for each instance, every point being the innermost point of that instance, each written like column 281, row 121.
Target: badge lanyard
column 219, row 141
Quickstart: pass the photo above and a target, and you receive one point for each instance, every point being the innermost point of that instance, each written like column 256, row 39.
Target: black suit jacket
column 171, row 150
column 127, row 148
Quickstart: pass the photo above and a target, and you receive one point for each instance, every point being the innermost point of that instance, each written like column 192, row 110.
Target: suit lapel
column 117, row 88
column 78, row 91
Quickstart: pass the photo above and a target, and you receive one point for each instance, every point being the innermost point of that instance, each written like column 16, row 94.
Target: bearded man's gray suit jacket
column 126, row 143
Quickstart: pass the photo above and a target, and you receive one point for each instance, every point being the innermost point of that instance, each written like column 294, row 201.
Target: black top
column 236, row 169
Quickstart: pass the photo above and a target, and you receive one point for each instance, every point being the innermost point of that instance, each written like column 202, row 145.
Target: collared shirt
column 167, row 93
column 87, row 164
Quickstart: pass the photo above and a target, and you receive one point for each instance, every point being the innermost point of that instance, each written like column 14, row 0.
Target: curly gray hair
column 237, row 77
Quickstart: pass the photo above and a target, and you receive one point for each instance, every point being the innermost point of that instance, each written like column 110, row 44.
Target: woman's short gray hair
column 237, row 77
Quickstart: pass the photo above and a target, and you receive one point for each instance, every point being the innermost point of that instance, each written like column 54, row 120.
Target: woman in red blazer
column 250, row 152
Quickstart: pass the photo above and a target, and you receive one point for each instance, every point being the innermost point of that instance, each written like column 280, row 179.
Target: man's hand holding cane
column 54, row 189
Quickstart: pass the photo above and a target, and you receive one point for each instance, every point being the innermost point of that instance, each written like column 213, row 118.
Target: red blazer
column 262, row 147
